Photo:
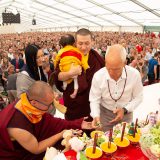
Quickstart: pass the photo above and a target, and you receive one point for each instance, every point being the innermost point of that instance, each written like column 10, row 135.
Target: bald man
column 26, row 129
column 116, row 90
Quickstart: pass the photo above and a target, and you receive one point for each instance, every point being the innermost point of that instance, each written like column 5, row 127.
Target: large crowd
column 140, row 47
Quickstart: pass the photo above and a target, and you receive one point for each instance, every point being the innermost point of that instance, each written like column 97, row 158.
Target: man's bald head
column 39, row 90
column 116, row 52
column 115, row 60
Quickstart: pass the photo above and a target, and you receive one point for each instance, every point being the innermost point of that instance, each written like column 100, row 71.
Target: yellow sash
column 33, row 114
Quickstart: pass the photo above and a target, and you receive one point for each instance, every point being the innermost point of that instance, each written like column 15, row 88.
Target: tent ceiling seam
column 87, row 13
column 146, row 8
column 117, row 13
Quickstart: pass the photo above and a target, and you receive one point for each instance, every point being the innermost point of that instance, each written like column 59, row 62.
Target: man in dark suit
column 17, row 62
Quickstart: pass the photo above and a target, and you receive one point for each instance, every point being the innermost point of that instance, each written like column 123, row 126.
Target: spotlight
column 34, row 22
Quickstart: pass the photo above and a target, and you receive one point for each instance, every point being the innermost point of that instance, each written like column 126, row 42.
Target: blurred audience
column 140, row 47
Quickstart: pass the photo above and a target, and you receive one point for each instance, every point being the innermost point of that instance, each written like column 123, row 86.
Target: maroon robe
column 80, row 106
column 47, row 127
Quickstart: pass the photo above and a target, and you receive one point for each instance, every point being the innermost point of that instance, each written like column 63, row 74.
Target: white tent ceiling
column 77, row 13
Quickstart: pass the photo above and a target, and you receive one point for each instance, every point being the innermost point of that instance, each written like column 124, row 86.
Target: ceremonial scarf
column 33, row 114
column 86, row 57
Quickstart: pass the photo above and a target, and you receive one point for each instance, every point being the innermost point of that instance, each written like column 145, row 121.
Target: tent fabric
column 84, row 13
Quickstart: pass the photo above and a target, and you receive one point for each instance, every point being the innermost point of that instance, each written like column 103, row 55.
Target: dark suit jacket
column 20, row 63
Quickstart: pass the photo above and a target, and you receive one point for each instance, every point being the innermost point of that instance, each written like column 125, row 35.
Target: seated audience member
column 143, row 69
column 9, row 71
column 11, row 87
column 48, row 59
column 4, row 67
column 133, row 63
column 47, row 71
column 26, row 129
column 32, row 71
column 152, row 69
column 68, row 56
column 158, row 67
column 17, row 62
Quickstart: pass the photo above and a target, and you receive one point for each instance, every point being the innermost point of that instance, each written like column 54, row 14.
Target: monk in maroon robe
column 24, row 117
column 79, row 106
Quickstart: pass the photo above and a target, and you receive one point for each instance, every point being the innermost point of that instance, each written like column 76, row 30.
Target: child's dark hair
column 68, row 39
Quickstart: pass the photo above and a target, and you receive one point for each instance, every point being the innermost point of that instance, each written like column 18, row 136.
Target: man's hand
column 75, row 70
column 120, row 114
column 96, row 124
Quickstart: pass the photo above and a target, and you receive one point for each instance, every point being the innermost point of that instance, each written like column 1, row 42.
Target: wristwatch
column 125, row 110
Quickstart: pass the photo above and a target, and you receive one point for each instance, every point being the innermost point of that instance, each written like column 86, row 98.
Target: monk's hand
column 85, row 124
column 77, row 132
column 62, row 132
column 96, row 124
column 119, row 115
column 75, row 70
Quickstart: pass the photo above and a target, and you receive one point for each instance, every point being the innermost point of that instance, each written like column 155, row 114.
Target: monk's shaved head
column 39, row 90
